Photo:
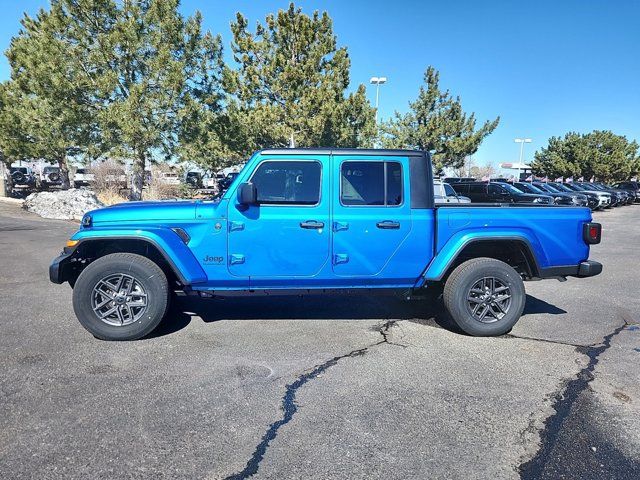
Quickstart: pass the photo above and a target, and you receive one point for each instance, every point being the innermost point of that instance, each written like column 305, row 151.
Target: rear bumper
column 588, row 268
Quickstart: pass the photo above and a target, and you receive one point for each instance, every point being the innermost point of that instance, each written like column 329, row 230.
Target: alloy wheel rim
column 489, row 299
column 119, row 300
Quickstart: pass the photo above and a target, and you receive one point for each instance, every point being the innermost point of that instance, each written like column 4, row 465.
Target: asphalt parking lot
column 321, row 387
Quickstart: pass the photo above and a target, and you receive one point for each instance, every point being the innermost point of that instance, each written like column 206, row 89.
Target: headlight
column 539, row 200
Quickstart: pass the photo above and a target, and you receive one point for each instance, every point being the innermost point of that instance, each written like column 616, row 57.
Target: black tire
column 458, row 293
column 151, row 281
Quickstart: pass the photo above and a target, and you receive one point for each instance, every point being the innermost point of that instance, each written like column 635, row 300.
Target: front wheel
column 484, row 296
column 121, row 296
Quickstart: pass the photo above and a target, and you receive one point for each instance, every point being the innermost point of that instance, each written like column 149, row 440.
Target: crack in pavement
column 564, row 400
column 544, row 340
column 289, row 406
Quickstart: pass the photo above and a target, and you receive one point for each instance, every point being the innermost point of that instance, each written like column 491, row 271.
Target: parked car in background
column 628, row 197
column 618, row 197
column 606, row 199
column 22, row 177
column 444, row 193
column 227, row 181
column 632, row 187
column 193, row 179
column 50, row 177
column 211, row 180
column 82, row 177
column 579, row 199
column 496, row 192
column 558, row 199
column 168, row 178
column 116, row 177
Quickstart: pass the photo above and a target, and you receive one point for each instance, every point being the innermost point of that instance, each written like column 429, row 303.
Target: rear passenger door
column 371, row 216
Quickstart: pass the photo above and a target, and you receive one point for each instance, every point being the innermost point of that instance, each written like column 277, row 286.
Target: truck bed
column 553, row 233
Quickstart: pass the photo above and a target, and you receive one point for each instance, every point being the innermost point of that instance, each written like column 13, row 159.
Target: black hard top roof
column 343, row 151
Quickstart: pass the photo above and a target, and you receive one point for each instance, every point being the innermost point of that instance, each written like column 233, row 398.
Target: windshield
column 511, row 188
column 448, row 189
column 547, row 188
column 529, row 188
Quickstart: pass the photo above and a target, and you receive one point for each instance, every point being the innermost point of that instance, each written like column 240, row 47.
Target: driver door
column 286, row 234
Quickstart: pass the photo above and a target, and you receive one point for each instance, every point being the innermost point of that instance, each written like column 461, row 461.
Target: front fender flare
column 177, row 254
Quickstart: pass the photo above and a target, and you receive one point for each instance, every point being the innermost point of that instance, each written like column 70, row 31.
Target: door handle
column 388, row 225
column 312, row 224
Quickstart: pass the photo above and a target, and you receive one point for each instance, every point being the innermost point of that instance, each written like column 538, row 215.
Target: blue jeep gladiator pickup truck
column 320, row 220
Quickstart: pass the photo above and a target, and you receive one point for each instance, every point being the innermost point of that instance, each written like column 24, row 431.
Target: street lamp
column 521, row 141
column 377, row 81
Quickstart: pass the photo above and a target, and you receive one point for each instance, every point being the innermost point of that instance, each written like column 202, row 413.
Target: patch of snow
column 69, row 204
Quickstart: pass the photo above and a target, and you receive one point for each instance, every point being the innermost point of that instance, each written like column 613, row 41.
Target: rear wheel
column 484, row 296
column 121, row 296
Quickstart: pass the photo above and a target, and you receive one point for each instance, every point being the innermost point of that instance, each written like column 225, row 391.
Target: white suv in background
column 444, row 193
column 82, row 178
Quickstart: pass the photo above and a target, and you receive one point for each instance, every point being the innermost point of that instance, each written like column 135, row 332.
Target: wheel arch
column 90, row 249
column 514, row 251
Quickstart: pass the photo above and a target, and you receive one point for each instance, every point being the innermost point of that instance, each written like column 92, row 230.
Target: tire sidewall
column 460, row 312
column 151, row 279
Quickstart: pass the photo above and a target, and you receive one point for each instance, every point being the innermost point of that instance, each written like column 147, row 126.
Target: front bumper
column 61, row 268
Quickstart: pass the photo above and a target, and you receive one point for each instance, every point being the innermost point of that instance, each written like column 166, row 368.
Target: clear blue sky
column 546, row 67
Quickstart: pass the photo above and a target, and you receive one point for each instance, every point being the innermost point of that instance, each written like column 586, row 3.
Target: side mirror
column 247, row 194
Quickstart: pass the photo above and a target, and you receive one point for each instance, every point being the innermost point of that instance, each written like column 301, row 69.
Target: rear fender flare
column 457, row 243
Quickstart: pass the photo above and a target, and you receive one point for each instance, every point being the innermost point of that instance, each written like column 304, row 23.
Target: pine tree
column 154, row 73
column 44, row 112
column 290, row 86
column 600, row 154
column 129, row 80
column 436, row 122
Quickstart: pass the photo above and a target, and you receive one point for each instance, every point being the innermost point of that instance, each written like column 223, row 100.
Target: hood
column 146, row 211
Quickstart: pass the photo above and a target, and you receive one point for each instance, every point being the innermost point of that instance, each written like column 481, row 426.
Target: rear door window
column 371, row 183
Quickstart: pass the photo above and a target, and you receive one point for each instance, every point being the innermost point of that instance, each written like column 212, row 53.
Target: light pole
column 377, row 81
column 521, row 141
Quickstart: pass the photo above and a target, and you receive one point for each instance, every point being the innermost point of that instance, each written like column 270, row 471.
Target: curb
column 14, row 201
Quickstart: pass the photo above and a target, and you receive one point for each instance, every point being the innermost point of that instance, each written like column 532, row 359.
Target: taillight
column 592, row 232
